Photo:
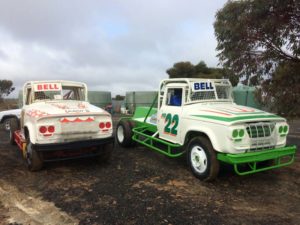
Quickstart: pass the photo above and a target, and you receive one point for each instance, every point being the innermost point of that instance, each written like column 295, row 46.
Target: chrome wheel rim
column 7, row 125
column 120, row 134
column 199, row 159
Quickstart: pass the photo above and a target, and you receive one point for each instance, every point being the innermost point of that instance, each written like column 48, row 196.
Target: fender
column 32, row 132
column 215, row 139
column 8, row 117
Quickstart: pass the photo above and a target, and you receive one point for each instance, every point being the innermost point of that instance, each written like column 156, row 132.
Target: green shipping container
column 245, row 95
column 100, row 98
column 134, row 99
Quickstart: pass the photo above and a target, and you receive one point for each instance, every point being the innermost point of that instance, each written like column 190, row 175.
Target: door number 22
column 172, row 124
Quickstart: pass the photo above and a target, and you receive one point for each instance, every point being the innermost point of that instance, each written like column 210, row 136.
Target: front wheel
column 202, row 159
column 33, row 158
column 124, row 133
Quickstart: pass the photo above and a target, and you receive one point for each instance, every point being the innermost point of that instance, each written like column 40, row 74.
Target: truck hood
column 230, row 114
column 69, row 108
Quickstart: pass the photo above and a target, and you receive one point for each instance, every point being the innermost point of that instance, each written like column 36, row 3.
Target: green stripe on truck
column 232, row 119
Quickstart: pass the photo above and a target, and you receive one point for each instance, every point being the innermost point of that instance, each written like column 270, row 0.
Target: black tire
column 124, row 133
column 202, row 159
column 14, row 126
column 105, row 152
column 33, row 158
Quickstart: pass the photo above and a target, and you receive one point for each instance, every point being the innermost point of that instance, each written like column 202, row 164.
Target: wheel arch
column 197, row 133
column 8, row 117
column 29, row 132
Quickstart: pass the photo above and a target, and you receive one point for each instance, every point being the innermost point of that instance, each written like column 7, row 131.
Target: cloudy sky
column 112, row 45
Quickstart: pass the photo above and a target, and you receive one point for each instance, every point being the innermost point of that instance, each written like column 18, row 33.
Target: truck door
column 169, row 114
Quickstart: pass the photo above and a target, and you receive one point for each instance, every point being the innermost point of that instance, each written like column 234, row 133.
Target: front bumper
column 254, row 158
column 74, row 145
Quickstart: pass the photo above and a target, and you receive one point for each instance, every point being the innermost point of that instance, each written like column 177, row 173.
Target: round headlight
column 241, row 133
column 285, row 129
column 235, row 133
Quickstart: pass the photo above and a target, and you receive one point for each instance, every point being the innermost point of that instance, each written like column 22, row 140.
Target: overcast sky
column 117, row 45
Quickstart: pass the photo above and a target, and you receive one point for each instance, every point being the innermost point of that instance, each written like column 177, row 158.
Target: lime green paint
column 252, row 158
column 280, row 129
column 241, row 133
column 285, row 129
column 140, row 135
column 235, row 133
column 229, row 119
column 141, row 112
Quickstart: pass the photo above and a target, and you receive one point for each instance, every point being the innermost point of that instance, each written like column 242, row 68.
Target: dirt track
column 142, row 187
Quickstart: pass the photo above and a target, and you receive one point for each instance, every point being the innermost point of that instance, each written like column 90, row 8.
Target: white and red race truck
column 57, row 122
column 198, row 117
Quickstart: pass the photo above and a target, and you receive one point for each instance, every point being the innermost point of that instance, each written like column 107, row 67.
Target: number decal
column 171, row 121
column 168, row 121
column 175, row 121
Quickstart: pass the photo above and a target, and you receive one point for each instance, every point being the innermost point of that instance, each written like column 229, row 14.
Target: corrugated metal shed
column 134, row 99
column 100, row 98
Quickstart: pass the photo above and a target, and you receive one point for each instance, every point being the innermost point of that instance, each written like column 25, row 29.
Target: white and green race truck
column 198, row 117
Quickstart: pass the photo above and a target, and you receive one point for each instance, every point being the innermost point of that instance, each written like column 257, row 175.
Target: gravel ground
column 139, row 186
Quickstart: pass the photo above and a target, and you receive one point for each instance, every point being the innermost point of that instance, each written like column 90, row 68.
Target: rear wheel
column 202, row 159
column 14, row 126
column 124, row 133
column 6, row 124
column 33, row 158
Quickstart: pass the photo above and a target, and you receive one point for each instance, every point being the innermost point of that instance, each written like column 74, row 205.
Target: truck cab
column 58, row 122
column 199, row 117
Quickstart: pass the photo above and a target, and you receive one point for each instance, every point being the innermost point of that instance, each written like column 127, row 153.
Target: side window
column 72, row 93
column 68, row 94
column 174, row 97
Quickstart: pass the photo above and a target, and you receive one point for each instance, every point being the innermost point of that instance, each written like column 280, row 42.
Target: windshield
column 65, row 93
column 211, row 91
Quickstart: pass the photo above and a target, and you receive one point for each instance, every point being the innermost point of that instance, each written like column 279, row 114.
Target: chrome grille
column 261, row 135
column 258, row 130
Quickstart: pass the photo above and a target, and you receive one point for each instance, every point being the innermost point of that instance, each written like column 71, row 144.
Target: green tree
column 181, row 69
column 281, row 94
column 201, row 70
column 260, row 41
column 6, row 87
column 254, row 36
column 119, row 97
